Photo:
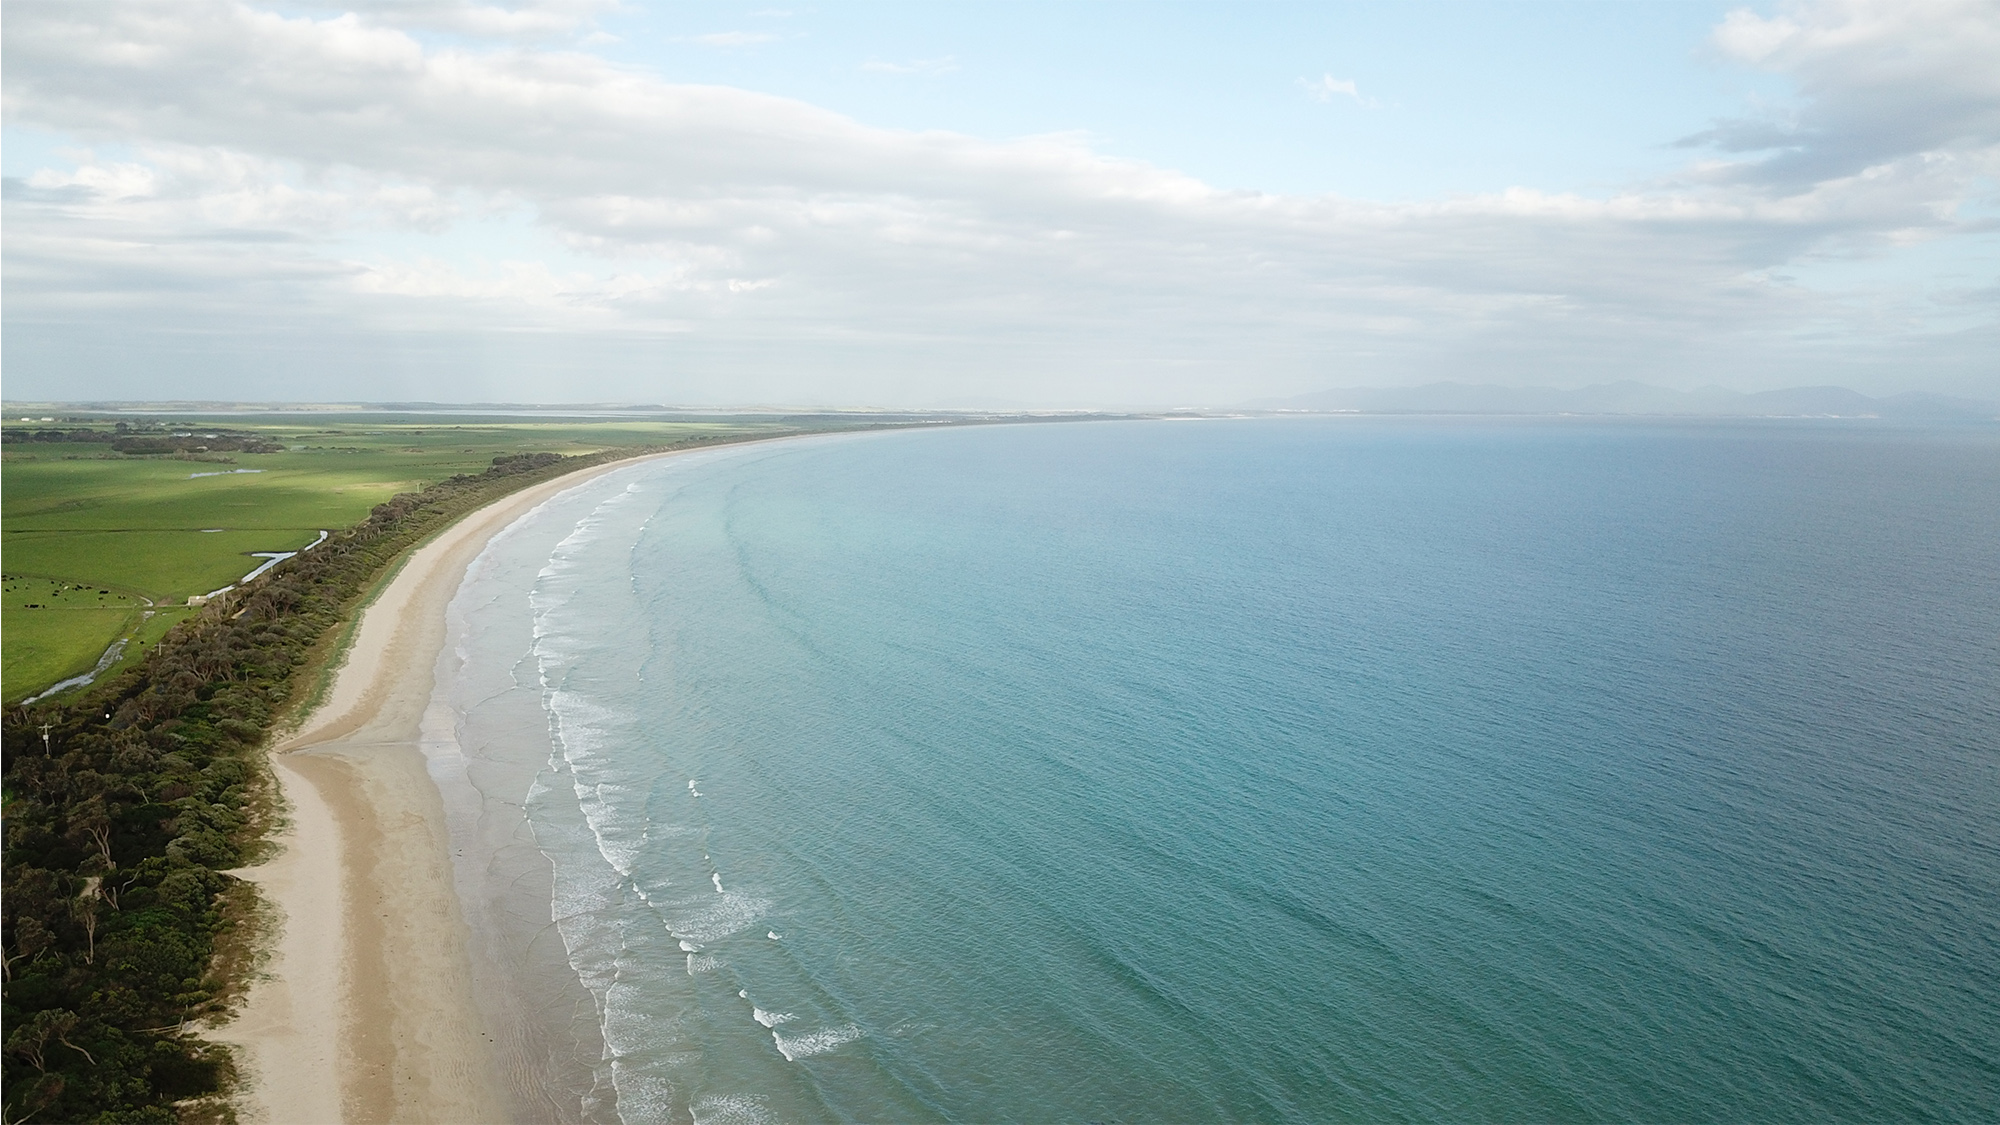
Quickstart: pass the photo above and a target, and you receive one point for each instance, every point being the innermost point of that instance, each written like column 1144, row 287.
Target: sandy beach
column 365, row 1010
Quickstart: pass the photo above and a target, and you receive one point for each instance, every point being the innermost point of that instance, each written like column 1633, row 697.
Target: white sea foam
column 796, row 1047
column 615, row 871
column 630, row 1025
column 582, row 730
column 729, row 1109
column 714, row 917
column 770, row 1019
column 610, row 935
column 579, row 891
column 642, row 1096
column 772, row 934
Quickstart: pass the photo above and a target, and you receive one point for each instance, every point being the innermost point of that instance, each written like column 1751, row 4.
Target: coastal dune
column 365, row 1011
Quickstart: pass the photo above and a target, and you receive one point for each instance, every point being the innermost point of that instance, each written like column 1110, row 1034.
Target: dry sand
column 365, row 1012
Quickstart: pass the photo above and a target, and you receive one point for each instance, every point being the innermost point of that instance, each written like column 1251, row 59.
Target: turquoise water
column 1283, row 770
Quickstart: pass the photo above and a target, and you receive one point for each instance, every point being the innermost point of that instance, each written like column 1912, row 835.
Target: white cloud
column 521, row 19
column 926, row 67
column 336, row 187
column 727, row 39
column 1326, row 87
column 1879, row 81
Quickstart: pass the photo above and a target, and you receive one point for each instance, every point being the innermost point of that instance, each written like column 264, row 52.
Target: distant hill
column 1632, row 398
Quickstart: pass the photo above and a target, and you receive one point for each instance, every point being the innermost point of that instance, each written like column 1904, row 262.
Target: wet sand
column 366, row 1010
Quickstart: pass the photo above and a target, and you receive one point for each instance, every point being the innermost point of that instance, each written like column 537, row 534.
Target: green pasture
column 165, row 566
column 76, row 519
column 52, row 628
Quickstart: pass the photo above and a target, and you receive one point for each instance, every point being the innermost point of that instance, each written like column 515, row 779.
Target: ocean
column 1295, row 769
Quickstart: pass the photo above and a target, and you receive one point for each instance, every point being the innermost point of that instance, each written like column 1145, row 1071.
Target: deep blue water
column 1299, row 770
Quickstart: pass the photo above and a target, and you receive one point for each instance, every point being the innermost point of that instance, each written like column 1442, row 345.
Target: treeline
column 125, row 806
column 141, row 443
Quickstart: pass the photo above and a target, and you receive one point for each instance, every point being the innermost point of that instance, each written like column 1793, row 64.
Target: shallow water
column 1251, row 770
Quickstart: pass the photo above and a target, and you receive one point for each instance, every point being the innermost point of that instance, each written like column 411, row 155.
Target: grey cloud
column 528, row 20
column 1742, row 135
column 1879, row 81
column 16, row 190
column 722, row 231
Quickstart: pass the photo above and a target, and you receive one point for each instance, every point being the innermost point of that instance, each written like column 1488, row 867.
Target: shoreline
column 365, row 1009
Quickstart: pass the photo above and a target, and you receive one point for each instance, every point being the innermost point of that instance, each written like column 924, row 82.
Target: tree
column 31, row 1040
column 90, row 829
column 83, row 908
column 40, row 1094
column 30, row 938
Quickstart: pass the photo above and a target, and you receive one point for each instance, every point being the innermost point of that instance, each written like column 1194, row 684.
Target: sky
column 1020, row 204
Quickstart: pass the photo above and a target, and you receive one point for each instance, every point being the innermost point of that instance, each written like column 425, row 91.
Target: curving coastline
column 365, row 1011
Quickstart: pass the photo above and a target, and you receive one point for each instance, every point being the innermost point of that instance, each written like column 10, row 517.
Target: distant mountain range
column 1632, row 398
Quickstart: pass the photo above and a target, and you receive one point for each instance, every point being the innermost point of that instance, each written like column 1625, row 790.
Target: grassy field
column 97, row 545
column 53, row 628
